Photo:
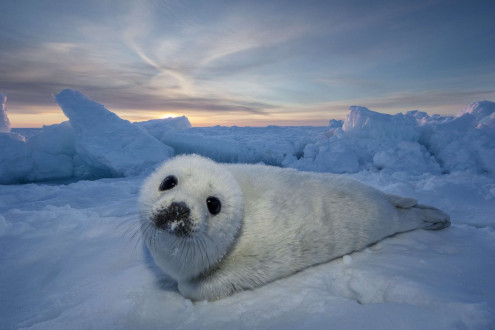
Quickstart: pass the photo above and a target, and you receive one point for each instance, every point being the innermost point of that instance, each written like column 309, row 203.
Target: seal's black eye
column 214, row 205
column 168, row 183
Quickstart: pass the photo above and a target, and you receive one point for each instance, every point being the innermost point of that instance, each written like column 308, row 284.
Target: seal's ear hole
column 214, row 205
column 168, row 183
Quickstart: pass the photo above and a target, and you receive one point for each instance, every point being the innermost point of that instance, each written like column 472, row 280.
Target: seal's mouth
column 174, row 219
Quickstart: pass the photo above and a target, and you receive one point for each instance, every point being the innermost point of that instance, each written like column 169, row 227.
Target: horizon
column 286, row 123
column 248, row 64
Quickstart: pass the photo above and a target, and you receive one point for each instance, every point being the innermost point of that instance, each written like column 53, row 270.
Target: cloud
column 253, row 59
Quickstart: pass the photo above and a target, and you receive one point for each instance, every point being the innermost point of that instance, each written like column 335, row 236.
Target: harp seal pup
column 221, row 228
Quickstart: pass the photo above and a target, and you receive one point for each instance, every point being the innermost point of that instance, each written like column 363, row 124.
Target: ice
column 52, row 153
column 274, row 145
column 487, row 122
column 97, row 143
column 478, row 110
column 467, row 142
column 107, row 142
column 4, row 119
column 47, row 155
column 16, row 160
column 413, row 142
column 71, row 253
column 361, row 122
column 161, row 127
column 54, row 139
column 368, row 140
column 94, row 143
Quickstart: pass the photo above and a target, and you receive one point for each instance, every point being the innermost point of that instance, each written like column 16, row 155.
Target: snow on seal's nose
column 174, row 219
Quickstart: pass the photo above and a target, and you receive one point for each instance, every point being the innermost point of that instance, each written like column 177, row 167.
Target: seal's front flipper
column 433, row 218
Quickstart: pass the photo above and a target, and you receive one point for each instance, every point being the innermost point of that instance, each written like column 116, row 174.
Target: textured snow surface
column 72, row 257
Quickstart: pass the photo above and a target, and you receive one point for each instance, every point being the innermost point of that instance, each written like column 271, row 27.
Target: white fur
column 273, row 222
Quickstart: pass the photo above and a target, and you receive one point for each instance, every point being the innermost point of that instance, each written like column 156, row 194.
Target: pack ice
column 94, row 143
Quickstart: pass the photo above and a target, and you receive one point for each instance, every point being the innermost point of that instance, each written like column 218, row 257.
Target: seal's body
column 218, row 228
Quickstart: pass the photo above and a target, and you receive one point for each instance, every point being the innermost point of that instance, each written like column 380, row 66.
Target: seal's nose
column 178, row 210
column 174, row 218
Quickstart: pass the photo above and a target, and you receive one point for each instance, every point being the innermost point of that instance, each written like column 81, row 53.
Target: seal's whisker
column 147, row 233
column 124, row 226
column 198, row 242
column 175, row 244
column 201, row 241
column 181, row 249
column 137, row 236
column 155, row 233
column 144, row 234
column 213, row 242
column 131, row 230
column 193, row 251
column 188, row 252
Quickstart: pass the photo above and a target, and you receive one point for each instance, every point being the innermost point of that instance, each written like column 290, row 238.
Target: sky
column 245, row 63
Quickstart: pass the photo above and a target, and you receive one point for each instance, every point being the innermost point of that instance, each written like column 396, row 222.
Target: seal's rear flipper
column 433, row 218
column 429, row 217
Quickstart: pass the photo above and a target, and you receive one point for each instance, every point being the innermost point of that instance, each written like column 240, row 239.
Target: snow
column 71, row 258
column 4, row 120
column 71, row 254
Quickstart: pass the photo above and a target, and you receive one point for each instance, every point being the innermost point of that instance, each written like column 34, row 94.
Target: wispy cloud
column 257, row 59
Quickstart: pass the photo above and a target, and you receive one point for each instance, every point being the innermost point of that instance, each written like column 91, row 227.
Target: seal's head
column 191, row 212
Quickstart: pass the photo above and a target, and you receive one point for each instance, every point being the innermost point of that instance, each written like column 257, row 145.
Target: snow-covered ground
column 71, row 255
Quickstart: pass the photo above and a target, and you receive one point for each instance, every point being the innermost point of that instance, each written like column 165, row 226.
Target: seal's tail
column 431, row 218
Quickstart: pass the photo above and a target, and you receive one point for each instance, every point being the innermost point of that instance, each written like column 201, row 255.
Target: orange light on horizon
column 40, row 116
column 169, row 115
column 35, row 120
